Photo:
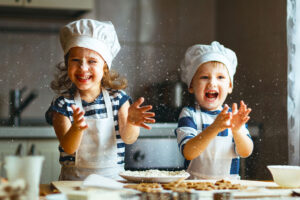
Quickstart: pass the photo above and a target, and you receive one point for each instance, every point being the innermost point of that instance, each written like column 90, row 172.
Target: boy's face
column 211, row 85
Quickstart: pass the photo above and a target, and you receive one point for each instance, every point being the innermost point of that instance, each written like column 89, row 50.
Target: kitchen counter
column 27, row 132
column 167, row 130
column 158, row 130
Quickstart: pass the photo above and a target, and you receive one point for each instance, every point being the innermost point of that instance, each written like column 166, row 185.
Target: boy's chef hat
column 91, row 34
column 199, row 54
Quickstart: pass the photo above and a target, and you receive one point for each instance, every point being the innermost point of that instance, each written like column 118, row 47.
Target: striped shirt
column 188, row 129
column 93, row 110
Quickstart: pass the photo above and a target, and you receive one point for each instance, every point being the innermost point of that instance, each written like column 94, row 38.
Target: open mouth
column 211, row 94
column 84, row 78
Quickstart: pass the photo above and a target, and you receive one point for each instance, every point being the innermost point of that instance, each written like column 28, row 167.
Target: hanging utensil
column 32, row 151
column 19, row 150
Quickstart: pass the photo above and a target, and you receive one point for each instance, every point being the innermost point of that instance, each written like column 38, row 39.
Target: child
column 92, row 118
column 209, row 135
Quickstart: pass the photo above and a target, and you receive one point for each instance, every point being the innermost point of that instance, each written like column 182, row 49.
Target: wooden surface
column 256, row 189
column 46, row 189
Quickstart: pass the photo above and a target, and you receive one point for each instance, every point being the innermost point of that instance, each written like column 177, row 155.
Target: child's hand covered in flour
column 78, row 118
column 138, row 115
column 223, row 120
column 239, row 116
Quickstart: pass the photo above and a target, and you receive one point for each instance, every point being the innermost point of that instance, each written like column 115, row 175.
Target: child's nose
column 212, row 81
column 84, row 65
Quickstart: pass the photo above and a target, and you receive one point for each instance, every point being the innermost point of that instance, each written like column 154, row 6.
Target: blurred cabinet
column 11, row 2
column 50, row 4
column 46, row 147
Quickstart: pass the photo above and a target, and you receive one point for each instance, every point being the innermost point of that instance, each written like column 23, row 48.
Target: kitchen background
column 154, row 35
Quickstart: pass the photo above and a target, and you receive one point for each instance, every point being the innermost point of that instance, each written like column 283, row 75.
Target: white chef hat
column 91, row 34
column 199, row 54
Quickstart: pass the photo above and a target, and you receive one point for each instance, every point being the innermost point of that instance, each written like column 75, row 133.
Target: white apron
column 97, row 153
column 215, row 161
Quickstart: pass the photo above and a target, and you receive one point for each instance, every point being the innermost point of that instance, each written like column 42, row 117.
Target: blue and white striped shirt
column 94, row 110
column 188, row 129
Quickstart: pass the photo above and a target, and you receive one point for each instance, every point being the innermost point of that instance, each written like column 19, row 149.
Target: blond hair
column 62, row 85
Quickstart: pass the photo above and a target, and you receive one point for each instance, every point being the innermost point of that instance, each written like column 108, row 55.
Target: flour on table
column 154, row 173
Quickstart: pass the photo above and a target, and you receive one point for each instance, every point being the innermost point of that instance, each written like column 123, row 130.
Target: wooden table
column 263, row 189
column 46, row 189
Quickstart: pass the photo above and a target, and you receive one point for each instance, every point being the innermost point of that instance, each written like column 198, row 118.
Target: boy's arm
column 195, row 146
column 244, row 145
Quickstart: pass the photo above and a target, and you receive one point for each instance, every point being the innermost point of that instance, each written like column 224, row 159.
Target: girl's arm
column 195, row 146
column 131, row 118
column 69, row 135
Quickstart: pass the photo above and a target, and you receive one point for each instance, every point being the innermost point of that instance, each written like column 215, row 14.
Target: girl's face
column 211, row 85
column 85, row 69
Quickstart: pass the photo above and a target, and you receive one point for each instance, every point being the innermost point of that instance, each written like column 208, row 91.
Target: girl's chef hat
column 91, row 34
column 198, row 54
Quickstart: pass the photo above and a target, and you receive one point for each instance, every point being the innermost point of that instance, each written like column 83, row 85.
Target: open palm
column 239, row 116
column 138, row 115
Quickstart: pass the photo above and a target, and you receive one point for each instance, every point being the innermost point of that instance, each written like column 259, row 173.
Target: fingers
column 75, row 109
column 78, row 117
column 142, row 123
column 234, row 108
column 243, row 109
column 246, row 119
column 145, row 126
column 149, row 120
column 145, row 108
column 228, row 118
column 77, row 113
column 83, row 127
column 149, row 114
column 138, row 102
column 248, row 111
column 242, row 104
column 225, row 109
column 224, row 118
column 145, row 120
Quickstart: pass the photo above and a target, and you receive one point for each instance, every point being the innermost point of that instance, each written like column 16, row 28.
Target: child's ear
column 191, row 90
column 230, row 88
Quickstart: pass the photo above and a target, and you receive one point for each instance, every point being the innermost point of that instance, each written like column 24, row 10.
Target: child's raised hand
column 138, row 115
column 239, row 116
column 78, row 118
column 222, row 121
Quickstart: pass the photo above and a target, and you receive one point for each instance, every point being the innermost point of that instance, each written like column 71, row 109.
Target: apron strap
column 198, row 117
column 77, row 100
column 106, row 98
column 107, row 102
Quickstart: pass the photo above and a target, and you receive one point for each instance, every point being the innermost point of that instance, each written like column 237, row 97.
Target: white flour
column 154, row 173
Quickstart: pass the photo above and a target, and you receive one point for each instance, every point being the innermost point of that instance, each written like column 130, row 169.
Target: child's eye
column 221, row 77
column 92, row 61
column 75, row 59
column 203, row 77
